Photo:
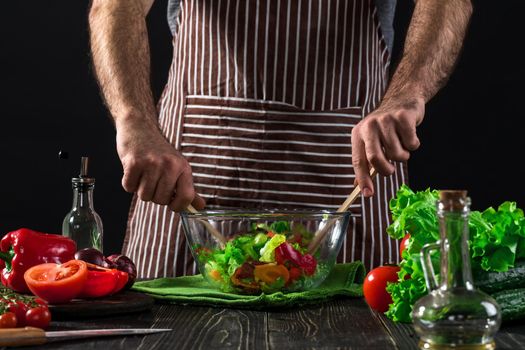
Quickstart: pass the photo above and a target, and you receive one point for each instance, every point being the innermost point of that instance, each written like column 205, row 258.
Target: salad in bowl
column 264, row 252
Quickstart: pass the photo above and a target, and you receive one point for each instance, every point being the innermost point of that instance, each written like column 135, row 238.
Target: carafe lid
column 453, row 200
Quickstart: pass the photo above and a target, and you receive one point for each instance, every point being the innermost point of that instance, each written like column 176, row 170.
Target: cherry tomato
column 41, row 302
column 57, row 283
column 39, row 317
column 8, row 320
column 19, row 309
column 374, row 287
column 404, row 244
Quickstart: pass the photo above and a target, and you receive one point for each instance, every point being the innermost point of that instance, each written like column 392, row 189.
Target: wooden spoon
column 218, row 236
column 321, row 233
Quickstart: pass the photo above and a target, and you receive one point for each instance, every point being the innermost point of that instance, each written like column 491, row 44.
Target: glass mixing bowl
column 250, row 252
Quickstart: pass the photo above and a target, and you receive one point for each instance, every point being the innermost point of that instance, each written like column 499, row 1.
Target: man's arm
column 120, row 50
column 433, row 43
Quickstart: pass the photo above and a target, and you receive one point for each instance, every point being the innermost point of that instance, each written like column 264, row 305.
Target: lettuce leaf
column 414, row 212
column 495, row 246
column 268, row 251
column 496, row 240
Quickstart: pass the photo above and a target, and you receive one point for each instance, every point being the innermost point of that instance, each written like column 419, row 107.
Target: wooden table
column 341, row 324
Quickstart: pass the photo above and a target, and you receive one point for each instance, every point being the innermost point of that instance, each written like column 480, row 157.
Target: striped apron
column 261, row 99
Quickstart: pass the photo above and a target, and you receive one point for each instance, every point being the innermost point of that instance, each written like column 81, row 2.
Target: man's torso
column 385, row 12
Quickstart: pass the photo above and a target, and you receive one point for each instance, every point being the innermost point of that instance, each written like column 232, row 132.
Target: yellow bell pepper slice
column 269, row 273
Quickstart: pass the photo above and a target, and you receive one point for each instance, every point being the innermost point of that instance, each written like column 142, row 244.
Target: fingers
column 408, row 136
column 380, row 139
column 165, row 180
column 131, row 178
column 374, row 151
column 394, row 150
column 164, row 190
column 171, row 189
column 360, row 163
column 148, row 184
column 153, row 168
column 198, row 202
column 369, row 134
column 184, row 193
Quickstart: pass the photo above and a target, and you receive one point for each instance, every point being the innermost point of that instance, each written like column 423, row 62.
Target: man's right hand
column 119, row 46
column 155, row 169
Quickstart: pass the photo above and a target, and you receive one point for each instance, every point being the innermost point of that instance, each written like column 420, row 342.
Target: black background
column 472, row 136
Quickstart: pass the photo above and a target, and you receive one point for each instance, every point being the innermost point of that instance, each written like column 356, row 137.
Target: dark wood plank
column 511, row 336
column 341, row 324
column 403, row 334
column 213, row 328
column 193, row 328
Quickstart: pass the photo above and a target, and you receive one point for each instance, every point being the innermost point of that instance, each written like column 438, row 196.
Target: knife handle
column 22, row 336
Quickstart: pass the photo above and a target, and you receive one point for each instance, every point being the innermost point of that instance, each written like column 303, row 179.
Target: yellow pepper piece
column 269, row 273
column 216, row 275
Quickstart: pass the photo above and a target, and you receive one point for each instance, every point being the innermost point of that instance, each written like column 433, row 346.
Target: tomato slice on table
column 57, row 283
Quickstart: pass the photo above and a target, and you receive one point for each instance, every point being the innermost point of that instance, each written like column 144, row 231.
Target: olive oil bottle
column 82, row 223
column 454, row 315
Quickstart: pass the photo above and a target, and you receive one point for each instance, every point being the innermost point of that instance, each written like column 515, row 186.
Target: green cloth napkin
column 343, row 280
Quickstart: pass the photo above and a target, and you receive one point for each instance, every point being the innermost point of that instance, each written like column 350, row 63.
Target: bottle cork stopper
column 453, row 199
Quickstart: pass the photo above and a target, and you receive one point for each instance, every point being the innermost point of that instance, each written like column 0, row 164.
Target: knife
column 36, row 336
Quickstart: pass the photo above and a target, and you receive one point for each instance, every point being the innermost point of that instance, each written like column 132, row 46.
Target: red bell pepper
column 102, row 282
column 286, row 253
column 25, row 248
column 309, row 264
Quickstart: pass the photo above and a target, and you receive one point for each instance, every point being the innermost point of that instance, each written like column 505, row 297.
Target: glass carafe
column 82, row 223
column 454, row 315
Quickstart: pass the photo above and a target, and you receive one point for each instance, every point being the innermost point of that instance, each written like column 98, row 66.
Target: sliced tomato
column 57, row 283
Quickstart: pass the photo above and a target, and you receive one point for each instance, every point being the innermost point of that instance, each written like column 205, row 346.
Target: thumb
column 198, row 202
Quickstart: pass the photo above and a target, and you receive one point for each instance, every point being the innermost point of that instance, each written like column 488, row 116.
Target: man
column 262, row 101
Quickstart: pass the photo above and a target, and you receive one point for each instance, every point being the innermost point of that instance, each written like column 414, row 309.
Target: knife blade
column 36, row 336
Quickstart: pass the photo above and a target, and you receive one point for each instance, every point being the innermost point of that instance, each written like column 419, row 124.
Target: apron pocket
column 265, row 154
